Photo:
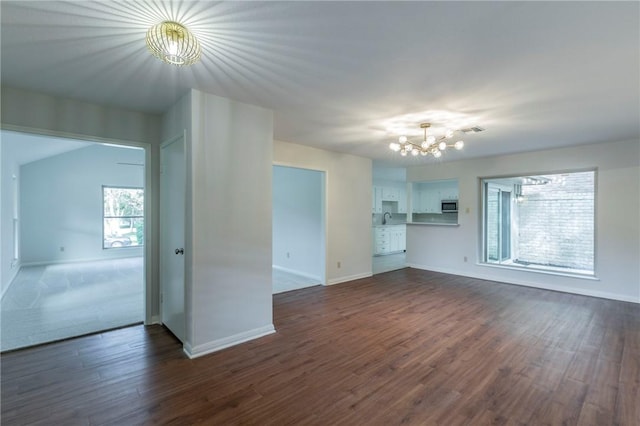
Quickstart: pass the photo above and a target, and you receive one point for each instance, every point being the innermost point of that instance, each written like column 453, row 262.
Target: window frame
column 559, row 271
column 131, row 217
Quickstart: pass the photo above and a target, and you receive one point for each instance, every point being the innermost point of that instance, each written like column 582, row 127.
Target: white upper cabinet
column 426, row 197
column 389, row 194
column 376, row 199
column 449, row 191
column 402, row 200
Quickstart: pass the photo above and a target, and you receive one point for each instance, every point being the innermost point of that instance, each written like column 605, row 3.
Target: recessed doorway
column 73, row 238
column 299, row 251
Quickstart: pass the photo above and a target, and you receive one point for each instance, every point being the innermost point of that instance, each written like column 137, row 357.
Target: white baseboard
column 155, row 319
column 294, row 271
column 344, row 279
column 93, row 259
column 562, row 289
column 236, row 339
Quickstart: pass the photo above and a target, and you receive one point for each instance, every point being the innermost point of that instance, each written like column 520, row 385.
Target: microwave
column 449, row 206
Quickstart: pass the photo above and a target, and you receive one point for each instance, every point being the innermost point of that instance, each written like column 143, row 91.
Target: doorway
column 299, row 236
column 64, row 276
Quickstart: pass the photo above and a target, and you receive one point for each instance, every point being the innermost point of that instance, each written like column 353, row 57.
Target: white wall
column 61, row 203
column 23, row 109
column 401, row 185
column 348, row 209
column 389, row 174
column 298, row 231
column 228, row 294
column 617, row 219
column 40, row 113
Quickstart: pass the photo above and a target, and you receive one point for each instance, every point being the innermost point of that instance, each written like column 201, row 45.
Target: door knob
column 180, row 251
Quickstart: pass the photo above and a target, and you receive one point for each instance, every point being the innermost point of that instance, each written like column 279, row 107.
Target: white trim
column 78, row 136
column 540, row 270
column 324, row 207
column 296, row 272
column 149, row 225
column 149, row 184
column 155, row 319
column 349, row 278
column 226, row 342
column 502, row 280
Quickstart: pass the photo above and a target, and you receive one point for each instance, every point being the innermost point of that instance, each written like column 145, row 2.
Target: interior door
column 172, row 228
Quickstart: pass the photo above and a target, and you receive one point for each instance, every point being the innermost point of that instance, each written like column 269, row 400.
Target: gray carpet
column 53, row 302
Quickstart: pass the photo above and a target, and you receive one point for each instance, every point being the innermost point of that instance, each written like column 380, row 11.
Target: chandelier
column 173, row 43
column 429, row 145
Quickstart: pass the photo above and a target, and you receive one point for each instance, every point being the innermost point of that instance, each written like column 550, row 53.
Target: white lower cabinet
column 380, row 240
column 389, row 239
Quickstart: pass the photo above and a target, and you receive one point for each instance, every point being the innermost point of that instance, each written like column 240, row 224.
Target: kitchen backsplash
column 396, row 219
column 435, row 217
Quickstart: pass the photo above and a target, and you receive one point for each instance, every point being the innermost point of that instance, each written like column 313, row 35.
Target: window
column 123, row 217
column 542, row 222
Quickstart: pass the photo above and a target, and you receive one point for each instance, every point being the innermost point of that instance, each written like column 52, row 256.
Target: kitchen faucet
column 384, row 218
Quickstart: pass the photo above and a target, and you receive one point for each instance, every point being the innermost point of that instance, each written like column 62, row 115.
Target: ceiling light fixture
column 173, row 43
column 430, row 144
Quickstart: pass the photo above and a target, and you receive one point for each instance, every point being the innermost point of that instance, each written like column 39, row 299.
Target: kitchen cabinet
column 426, row 201
column 389, row 239
column 402, row 201
column 449, row 193
column 427, row 198
column 380, row 240
column 432, row 202
column 376, row 200
column 416, row 201
column 397, row 239
column 390, row 194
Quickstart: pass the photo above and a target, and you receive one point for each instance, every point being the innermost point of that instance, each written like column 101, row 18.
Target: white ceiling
column 348, row 76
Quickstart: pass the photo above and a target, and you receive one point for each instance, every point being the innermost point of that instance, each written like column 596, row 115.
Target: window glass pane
column 123, row 202
column 123, row 221
column 541, row 222
column 493, row 222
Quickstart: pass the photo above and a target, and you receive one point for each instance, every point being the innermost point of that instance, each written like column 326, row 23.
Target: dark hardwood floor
column 404, row 347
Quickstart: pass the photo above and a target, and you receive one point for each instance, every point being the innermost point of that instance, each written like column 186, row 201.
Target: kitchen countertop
column 415, row 223
column 433, row 224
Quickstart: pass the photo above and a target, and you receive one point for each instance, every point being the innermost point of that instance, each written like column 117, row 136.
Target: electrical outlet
column 465, row 258
column 288, row 255
column 61, row 248
column 467, row 210
column 339, row 265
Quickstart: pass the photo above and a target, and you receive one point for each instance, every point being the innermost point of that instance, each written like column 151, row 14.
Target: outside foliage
column 123, row 217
